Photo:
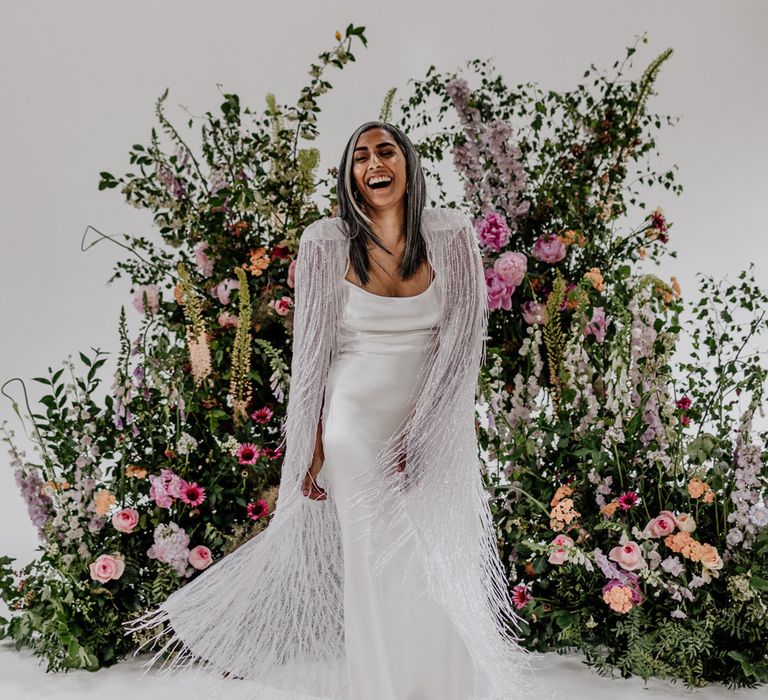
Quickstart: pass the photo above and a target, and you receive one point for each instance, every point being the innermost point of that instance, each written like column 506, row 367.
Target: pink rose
column 107, row 567
column 663, row 524
column 200, row 557
column 628, row 556
column 548, row 248
column 685, row 522
column 560, row 554
column 511, row 267
column 534, row 312
column 125, row 520
column 282, row 305
column 499, row 292
column 292, row 273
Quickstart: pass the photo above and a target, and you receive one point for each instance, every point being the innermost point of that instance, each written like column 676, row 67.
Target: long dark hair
column 358, row 224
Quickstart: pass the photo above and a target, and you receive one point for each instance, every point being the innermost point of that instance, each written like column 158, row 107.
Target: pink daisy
column 257, row 509
column 191, row 493
column 262, row 415
column 627, row 500
column 521, row 596
column 247, row 453
column 272, row 452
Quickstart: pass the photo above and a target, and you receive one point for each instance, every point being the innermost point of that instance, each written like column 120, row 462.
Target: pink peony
column 511, row 267
column 164, row 488
column 107, row 567
column 228, row 320
column 548, row 248
column 663, row 524
column 499, row 292
column 152, row 292
column 492, row 230
column 533, row 312
column 200, row 557
column 125, row 520
column 560, row 554
column 628, row 556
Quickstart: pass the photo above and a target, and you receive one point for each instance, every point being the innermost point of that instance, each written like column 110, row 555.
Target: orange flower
column 676, row 286
column 642, row 251
column 596, row 278
column 529, row 570
column 709, row 496
column 561, row 492
column 338, row 35
column 135, row 471
column 103, row 500
column 609, row 508
column 259, row 260
column 177, row 295
column 697, row 488
column 619, row 598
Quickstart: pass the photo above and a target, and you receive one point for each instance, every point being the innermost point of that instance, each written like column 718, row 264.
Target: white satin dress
column 400, row 645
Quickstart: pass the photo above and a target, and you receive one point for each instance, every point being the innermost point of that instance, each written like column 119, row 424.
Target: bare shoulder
column 328, row 228
column 446, row 219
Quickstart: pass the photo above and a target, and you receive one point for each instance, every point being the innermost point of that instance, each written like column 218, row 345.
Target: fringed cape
column 270, row 614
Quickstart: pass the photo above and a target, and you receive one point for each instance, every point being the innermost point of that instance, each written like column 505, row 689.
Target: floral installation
column 628, row 486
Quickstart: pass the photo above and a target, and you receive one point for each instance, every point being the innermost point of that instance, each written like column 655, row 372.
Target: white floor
column 21, row 678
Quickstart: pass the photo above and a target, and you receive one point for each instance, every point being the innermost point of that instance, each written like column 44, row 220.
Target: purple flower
column 492, row 230
column 548, row 248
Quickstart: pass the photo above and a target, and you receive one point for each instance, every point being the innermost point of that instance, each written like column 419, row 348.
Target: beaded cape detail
column 270, row 614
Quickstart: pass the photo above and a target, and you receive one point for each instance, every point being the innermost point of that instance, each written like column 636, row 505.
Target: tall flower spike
column 239, row 386
column 197, row 339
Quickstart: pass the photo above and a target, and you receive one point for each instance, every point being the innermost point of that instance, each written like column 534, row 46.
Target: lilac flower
column 673, row 566
column 152, row 292
column 171, row 546
column 596, row 325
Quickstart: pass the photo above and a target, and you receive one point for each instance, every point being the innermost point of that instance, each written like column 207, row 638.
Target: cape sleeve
column 311, row 353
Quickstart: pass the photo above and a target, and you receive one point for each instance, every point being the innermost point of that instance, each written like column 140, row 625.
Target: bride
column 378, row 577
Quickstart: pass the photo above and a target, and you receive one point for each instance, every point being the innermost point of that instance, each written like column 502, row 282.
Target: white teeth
column 381, row 178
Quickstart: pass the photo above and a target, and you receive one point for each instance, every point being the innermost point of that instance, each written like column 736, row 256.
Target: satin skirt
column 400, row 644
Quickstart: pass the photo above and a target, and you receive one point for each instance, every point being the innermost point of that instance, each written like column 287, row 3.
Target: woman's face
column 377, row 154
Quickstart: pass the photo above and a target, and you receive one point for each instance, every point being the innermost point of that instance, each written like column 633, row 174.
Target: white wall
column 79, row 81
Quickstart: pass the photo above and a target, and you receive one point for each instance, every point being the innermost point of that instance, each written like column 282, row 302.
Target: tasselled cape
column 270, row 614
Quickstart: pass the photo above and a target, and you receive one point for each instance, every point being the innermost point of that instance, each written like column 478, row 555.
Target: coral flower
column 262, row 415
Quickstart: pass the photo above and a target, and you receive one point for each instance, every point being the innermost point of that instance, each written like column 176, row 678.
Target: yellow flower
column 338, row 35
column 103, row 501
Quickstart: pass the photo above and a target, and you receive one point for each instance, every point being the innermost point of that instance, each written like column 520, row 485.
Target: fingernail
column 305, row 492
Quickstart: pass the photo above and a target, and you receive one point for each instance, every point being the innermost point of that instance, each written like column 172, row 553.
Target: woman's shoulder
column 327, row 228
column 444, row 218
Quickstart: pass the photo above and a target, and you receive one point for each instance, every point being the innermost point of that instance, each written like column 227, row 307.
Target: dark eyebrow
column 378, row 145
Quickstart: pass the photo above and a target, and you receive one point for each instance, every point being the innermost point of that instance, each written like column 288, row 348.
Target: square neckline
column 385, row 296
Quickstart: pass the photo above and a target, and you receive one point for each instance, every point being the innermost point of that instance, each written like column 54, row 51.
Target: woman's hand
column 309, row 486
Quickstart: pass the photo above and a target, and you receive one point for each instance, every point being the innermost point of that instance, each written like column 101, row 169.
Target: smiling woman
column 379, row 575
